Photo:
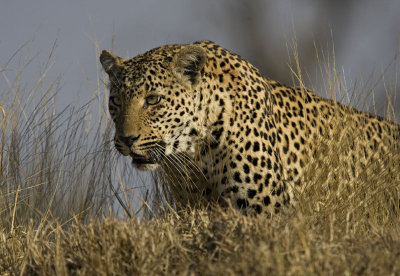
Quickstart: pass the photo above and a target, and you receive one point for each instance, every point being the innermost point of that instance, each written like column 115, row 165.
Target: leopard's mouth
column 142, row 159
column 153, row 155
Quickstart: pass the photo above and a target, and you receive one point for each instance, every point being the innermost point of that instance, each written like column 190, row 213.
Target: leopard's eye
column 115, row 100
column 153, row 99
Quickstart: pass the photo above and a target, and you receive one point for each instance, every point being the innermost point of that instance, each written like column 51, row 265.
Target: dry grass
column 208, row 242
column 57, row 217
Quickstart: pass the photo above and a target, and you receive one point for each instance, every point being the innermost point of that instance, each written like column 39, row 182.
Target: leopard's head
column 153, row 101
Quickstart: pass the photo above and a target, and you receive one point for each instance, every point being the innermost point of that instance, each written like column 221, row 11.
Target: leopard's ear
column 111, row 63
column 189, row 63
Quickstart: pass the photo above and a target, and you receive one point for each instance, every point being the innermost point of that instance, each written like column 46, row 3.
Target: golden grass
column 54, row 219
column 207, row 242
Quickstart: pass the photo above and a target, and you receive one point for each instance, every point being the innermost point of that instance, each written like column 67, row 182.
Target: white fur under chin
column 145, row 167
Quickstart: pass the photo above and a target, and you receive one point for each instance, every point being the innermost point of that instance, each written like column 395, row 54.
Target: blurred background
column 364, row 34
column 49, row 46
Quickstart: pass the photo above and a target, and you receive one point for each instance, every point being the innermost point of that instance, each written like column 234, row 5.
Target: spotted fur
column 222, row 131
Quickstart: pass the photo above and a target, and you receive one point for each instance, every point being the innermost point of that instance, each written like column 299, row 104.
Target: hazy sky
column 366, row 33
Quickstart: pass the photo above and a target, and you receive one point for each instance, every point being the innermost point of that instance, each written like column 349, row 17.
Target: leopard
column 224, row 133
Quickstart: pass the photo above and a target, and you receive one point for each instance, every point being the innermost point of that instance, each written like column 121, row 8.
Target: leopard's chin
column 145, row 166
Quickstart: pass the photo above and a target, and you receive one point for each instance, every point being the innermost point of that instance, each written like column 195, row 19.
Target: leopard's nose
column 128, row 140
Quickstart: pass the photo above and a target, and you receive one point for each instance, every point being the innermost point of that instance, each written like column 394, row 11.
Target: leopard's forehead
column 146, row 70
